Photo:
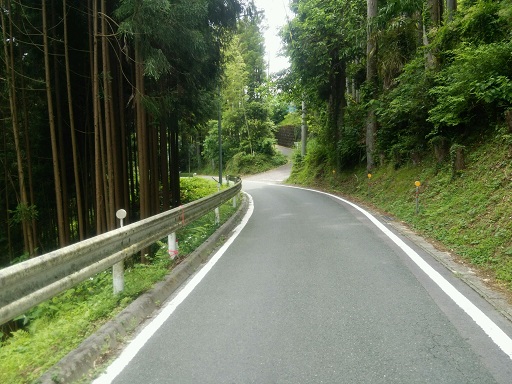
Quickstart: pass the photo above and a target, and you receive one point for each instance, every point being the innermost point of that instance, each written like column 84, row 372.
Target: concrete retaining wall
column 286, row 136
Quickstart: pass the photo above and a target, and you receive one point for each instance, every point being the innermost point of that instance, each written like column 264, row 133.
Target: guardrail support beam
column 26, row 284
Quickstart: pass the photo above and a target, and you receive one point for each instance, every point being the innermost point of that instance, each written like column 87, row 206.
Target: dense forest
column 397, row 81
column 103, row 103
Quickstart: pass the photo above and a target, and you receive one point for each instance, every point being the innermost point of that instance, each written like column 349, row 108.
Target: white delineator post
column 172, row 245
column 118, row 268
column 217, row 211
column 217, row 216
column 417, row 184
column 234, row 197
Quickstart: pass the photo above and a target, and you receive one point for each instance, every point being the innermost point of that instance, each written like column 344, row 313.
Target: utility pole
column 303, row 130
column 220, row 137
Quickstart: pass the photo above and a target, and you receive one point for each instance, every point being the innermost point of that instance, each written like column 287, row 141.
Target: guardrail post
column 172, row 245
column 118, row 268
column 30, row 282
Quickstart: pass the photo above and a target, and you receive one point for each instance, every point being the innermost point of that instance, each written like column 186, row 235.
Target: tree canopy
column 99, row 126
column 103, row 103
column 392, row 81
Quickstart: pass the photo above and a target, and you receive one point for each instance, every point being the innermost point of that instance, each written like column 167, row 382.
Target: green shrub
column 194, row 188
column 478, row 82
column 59, row 325
column 244, row 164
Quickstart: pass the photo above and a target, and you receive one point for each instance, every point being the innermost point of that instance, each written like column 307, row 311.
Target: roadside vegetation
column 467, row 212
column 54, row 328
column 427, row 98
column 164, row 75
column 412, row 90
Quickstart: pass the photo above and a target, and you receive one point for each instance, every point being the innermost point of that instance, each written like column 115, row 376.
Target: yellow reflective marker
column 417, row 183
column 369, row 175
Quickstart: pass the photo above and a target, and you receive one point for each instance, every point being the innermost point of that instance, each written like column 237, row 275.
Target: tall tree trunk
column 76, row 168
column 336, row 108
column 11, row 85
column 28, row 150
column 142, row 139
column 103, row 169
column 342, row 90
column 164, row 167
column 53, row 135
column 6, row 190
column 371, row 78
column 436, row 12
column 89, row 177
column 141, row 135
column 174, row 160
column 98, row 166
column 59, row 124
column 109, row 130
column 154, row 180
column 116, row 132
column 124, row 144
column 451, row 8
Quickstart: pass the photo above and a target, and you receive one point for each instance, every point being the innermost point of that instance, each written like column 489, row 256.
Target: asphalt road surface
column 311, row 290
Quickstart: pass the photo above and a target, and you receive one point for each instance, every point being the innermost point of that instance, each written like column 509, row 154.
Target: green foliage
column 466, row 93
column 246, row 164
column 403, row 111
column 482, row 23
column 313, row 166
column 248, row 105
column 211, row 142
column 194, row 188
column 252, row 49
column 59, row 325
column 23, row 213
column 292, row 118
column 278, row 110
column 477, row 81
column 398, row 44
column 318, row 40
column 469, row 214
column 351, row 146
column 180, row 45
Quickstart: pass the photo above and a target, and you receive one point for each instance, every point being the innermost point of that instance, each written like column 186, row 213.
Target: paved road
column 311, row 291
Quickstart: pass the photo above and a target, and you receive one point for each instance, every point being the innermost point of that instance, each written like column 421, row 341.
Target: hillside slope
column 468, row 212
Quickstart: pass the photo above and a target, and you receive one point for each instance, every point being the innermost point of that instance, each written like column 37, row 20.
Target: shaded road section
column 312, row 292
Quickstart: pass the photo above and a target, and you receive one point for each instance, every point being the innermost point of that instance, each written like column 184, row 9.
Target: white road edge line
column 500, row 338
column 138, row 342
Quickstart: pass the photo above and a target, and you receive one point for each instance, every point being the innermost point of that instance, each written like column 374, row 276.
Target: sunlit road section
column 312, row 290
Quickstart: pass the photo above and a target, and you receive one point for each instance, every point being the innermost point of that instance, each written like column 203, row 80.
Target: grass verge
column 469, row 212
column 58, row 326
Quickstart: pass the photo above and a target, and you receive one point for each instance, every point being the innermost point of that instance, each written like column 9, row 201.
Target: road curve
column 312, row 291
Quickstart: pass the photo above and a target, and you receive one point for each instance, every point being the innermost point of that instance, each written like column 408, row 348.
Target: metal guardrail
column 24, row 285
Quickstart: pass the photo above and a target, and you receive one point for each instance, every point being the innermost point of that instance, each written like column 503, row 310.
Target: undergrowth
column 59, row 325
column 243, row 164
column 468, row 211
